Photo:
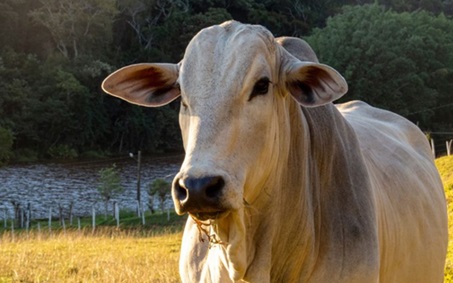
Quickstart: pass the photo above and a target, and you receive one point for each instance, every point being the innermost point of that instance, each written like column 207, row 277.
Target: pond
column 47, row 187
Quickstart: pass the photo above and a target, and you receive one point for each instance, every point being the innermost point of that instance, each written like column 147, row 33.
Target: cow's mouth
column 214, row 215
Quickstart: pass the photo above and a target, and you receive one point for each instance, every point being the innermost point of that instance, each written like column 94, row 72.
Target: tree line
column 54, row 54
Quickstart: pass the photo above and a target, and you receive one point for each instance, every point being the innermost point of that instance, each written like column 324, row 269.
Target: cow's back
column 409, row 197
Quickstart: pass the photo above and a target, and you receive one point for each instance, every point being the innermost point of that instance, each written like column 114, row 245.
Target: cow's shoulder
column 376, row 127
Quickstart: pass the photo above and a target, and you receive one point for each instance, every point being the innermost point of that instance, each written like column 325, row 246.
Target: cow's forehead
column 223, row 56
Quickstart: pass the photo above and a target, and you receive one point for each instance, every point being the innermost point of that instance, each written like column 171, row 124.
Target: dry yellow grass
column 107, row 256
column 445, row 167
column 113, row 256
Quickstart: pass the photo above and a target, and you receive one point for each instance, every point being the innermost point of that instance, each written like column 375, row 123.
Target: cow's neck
column 284, row 231
column 281, row 231
column 325, row 174
column 293, row 245
column 282, row 220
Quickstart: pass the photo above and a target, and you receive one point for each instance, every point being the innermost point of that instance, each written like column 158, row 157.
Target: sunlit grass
column 128, row 254
column 108, row 255
column 445, row 167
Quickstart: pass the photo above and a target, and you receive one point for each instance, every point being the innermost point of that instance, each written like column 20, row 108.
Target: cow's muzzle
column 201, row 197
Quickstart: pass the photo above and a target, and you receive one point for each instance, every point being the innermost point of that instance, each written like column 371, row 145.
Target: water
column 50, row 186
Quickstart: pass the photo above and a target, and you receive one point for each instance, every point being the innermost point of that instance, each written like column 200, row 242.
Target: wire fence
column 18, row 216
column 439, row 148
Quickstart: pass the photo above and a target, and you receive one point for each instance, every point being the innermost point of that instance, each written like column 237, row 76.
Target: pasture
column 445, row 167
column 108, row 255
column 121, row 255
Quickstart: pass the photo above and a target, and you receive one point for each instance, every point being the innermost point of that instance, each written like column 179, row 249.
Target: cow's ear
column 314, row 84
column 144, row 84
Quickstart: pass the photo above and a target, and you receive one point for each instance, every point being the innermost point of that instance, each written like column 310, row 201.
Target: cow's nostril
column 214, row 187
column 198, row 194
column 180, row 191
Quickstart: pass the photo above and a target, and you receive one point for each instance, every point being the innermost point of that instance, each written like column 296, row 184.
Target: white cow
column 280, row 184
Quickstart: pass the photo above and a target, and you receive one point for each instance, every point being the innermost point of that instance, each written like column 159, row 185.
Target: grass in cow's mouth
column 203, row 229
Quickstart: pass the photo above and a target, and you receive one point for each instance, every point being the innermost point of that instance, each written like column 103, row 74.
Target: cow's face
column 233, row 82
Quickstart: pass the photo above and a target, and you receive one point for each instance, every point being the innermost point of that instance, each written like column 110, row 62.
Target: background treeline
column 54, row 54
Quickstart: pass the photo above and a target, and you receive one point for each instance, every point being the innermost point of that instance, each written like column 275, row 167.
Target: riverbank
column 49, row 188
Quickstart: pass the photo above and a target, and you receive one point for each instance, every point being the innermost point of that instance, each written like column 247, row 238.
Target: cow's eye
column 261, row 87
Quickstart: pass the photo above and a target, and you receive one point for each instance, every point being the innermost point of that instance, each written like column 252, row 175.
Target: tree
column 161, row 189
column 109, row 185
column 398, row 61
column 77, row 25
column 434, row 6
column 51, row 69
column 6, row 144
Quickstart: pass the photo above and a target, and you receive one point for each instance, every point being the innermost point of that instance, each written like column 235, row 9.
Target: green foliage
column 62, row 151
column 434, row 6
column 109, row 183
column 26, row 155
column 6, row 144
column 398, row 61
column 92, row 154
column 55, row 53
column 161, row 189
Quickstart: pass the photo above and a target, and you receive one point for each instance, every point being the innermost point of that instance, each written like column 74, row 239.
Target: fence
column 439, row 148
column 22, row 215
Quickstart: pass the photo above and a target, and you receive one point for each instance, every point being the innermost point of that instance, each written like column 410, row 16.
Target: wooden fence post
column 50, row 219
column 17, row 213
column 143, row 215
column 71, row 206
column 28, row 218
column 449, row 147
column 60, row 214
column 93, row 218
column 117, row 215
column 138, row 209
column 433, row 148
column 22, row 218
column 5, row 222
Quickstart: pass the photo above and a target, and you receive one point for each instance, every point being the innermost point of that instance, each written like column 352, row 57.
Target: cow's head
column 234, row 82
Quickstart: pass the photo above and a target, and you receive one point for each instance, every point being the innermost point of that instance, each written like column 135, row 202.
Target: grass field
column 132, row 253
column 108, row 255
column 122, row 255
column 445, row 167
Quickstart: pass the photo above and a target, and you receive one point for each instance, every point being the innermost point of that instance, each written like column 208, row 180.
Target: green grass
column 128, row 220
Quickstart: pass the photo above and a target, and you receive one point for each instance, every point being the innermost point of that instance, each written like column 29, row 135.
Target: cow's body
column 316, row 193
column 408, row 194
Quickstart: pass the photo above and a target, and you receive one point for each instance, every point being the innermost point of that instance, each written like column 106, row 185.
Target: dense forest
column 54, row 54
